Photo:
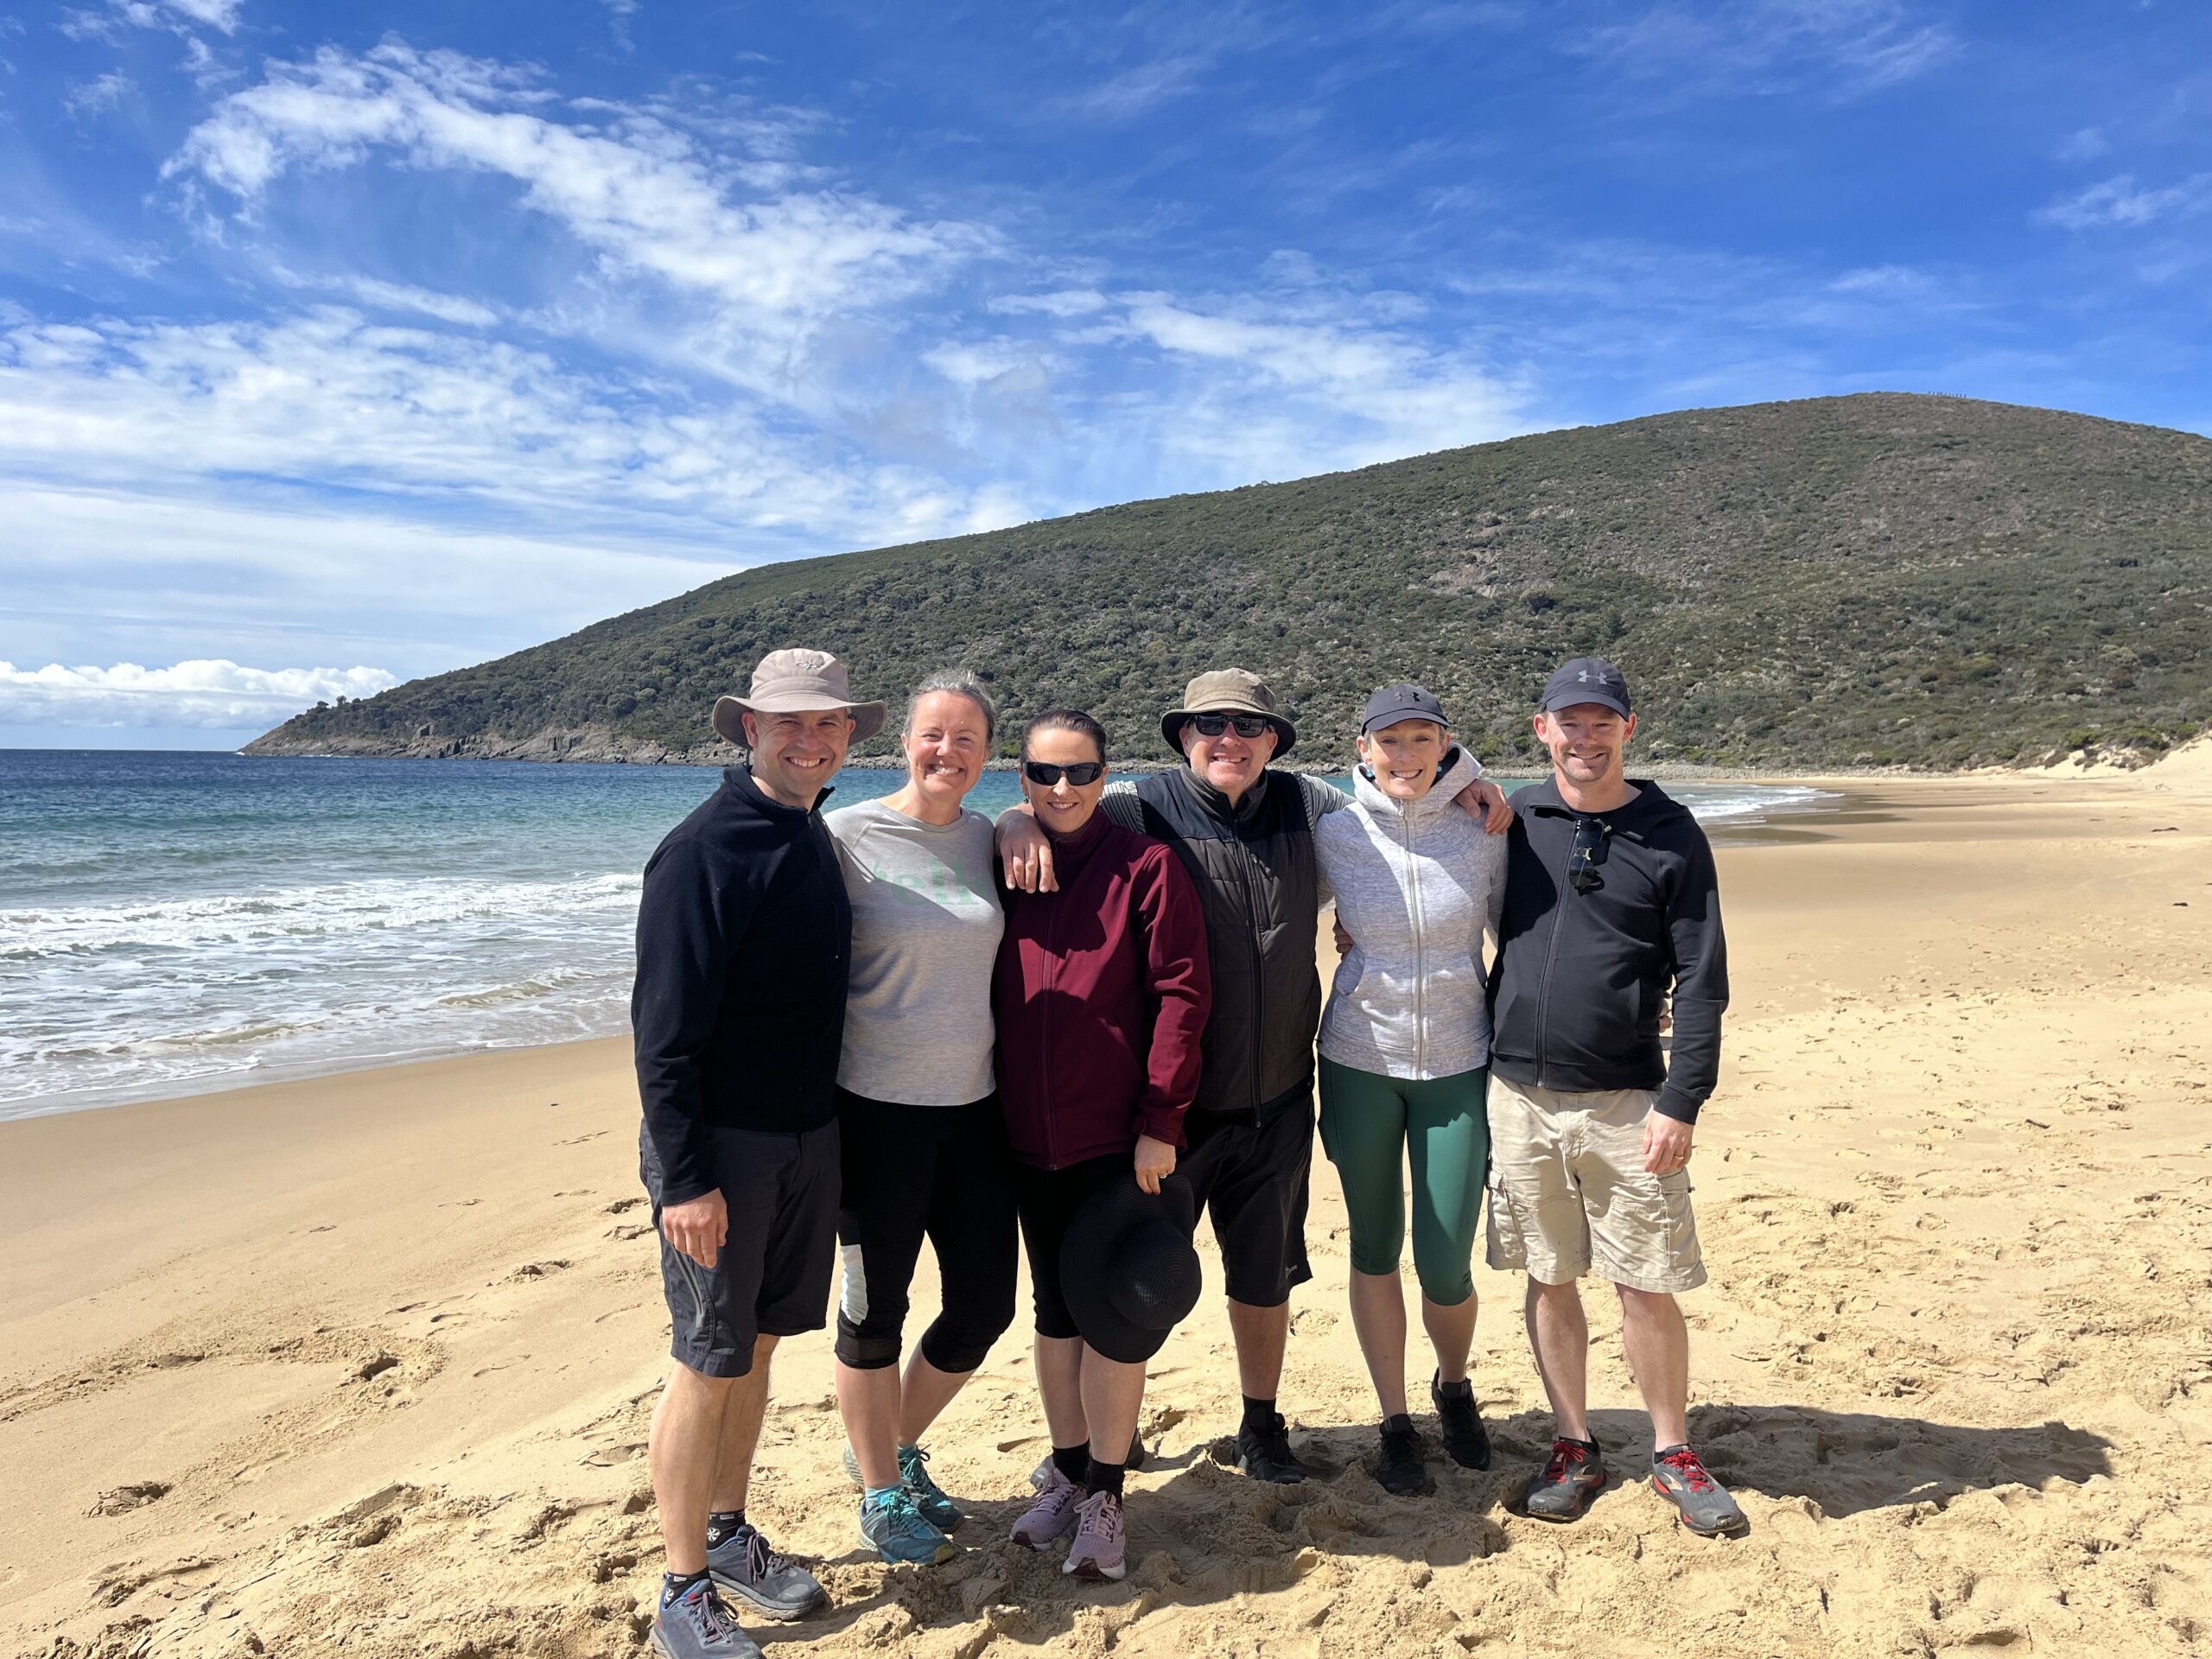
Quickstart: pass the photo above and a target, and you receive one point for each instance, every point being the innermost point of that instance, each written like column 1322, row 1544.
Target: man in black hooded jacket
column 1611, row 907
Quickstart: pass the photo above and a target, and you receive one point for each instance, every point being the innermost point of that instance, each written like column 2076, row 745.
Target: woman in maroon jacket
column 1100, row 995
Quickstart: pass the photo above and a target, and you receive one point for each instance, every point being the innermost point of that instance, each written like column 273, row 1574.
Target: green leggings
column 1369, row 1125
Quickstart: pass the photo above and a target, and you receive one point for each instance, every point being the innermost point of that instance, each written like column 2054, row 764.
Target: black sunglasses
column 1587, row 853
column 1079, row 774
column 1247, row 726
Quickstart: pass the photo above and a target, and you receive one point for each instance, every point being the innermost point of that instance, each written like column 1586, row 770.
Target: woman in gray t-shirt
column 925, row 1148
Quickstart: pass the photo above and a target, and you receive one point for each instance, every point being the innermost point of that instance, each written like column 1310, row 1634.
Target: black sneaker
column 1567, row 1484
column 1264, row 1453
column 1399, row 1467
column 1465, row 1441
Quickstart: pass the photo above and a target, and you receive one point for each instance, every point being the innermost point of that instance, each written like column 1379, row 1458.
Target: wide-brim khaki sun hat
column 1228, row 691
column 791, row 683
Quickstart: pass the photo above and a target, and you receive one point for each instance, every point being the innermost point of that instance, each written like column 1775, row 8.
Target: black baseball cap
column 1585, row 679
column 1395, row 702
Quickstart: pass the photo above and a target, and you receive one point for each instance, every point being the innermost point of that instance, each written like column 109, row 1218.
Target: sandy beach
column 365, row 1364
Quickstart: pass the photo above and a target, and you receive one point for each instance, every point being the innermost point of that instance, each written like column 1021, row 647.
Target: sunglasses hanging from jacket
column 1591, row 836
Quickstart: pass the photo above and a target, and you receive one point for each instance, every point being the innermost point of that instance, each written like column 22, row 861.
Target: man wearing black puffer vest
column 1612, row 906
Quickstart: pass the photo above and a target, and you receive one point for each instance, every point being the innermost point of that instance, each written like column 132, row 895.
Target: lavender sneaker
column 1098, row 1549
column 1052, row 1517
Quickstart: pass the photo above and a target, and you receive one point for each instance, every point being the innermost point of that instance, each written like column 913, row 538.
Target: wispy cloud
column 629, row 186
column 2123, row 202
column 179, row 16
column 214, row 692
column 101, row 93
column 1837, row 48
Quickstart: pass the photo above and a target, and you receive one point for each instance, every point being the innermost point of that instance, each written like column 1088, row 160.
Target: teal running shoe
column 936, row 1509
column 895, row 1529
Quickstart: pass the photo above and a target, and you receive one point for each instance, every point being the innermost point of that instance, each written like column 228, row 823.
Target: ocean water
column 171, row 922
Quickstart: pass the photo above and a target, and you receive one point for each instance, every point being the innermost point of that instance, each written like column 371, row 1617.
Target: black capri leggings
column 943, row 1171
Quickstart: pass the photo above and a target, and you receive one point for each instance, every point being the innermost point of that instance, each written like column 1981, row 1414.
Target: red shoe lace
column 1685, row 1463
column 1563, row 1453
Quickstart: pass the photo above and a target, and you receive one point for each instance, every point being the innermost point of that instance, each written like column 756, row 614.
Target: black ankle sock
column 1465, row 1386
column 1104, row 1478
column 674, row 1585
column 1398, row 1424
column 1073, row 1461
column 1658, row 1453
column 722, row 1524
column 1588, row 1445
column 1259, row 1414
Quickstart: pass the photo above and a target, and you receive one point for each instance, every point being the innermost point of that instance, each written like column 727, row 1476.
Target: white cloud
column 395, row 296
column 425, row 419
column 2122, row 202
column 1844, row 48
column 1064, row 302
column 178, row 17
column 103, row 92
column 632, row 187
column 1282, row 392
column 214, row 692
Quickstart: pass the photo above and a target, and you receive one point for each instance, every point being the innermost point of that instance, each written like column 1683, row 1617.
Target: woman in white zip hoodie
column 1405, row 1058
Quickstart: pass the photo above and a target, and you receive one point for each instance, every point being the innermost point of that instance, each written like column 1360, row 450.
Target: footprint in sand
column 136, row 1494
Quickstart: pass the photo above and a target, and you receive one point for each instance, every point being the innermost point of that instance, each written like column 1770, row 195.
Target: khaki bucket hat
column 791, row 682
column 1227, row 691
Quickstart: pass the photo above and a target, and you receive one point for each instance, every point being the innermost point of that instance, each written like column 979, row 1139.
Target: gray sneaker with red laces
column 1567, row 1484
column 1701, row 1502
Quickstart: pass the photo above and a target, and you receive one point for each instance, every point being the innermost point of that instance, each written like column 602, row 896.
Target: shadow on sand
column 1206, row 1532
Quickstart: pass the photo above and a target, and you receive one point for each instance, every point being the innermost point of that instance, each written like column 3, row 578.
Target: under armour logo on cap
column 1585, row 679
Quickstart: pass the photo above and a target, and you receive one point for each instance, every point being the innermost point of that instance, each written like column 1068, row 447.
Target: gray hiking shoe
column 746, row 1564
column 1567, row 1484
column 1702, row 1503
column 698, row 1624
column 936, row 1507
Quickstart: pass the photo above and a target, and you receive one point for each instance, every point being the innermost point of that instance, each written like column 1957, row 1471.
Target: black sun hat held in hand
column 1128, row 1271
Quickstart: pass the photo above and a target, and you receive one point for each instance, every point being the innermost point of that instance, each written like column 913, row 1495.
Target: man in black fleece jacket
column 1611, row 907
column 744, row 934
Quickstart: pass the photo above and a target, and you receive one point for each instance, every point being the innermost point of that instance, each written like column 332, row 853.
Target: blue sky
column 342, row 345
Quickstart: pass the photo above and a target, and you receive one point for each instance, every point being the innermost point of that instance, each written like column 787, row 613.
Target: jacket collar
column 741, row 779
column 1453, row 774
column 1217, row 804
column 1072, row 853
column 1651, row 804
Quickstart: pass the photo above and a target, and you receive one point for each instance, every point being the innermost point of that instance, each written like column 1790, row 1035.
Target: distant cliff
column 1870, row 580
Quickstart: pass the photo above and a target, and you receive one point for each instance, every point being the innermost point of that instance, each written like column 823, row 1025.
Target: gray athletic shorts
column 773, row 1273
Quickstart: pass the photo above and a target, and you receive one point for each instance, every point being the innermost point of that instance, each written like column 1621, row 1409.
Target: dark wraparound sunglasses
column 1247, row 726
column 1046, row 773
column 1587, row 853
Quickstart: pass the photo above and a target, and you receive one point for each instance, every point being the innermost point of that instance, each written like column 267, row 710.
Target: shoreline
column 374, row 1355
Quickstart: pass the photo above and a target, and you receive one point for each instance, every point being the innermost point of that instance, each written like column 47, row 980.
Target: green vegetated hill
column 1866, row 581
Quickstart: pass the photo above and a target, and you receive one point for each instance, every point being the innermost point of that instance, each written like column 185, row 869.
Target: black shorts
column 910, row 1171
column 1048, row 1199
column 772, row 1274
column 1251, row 1176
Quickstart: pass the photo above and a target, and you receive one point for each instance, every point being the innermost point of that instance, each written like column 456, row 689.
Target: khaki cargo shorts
column 1569, row 1194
